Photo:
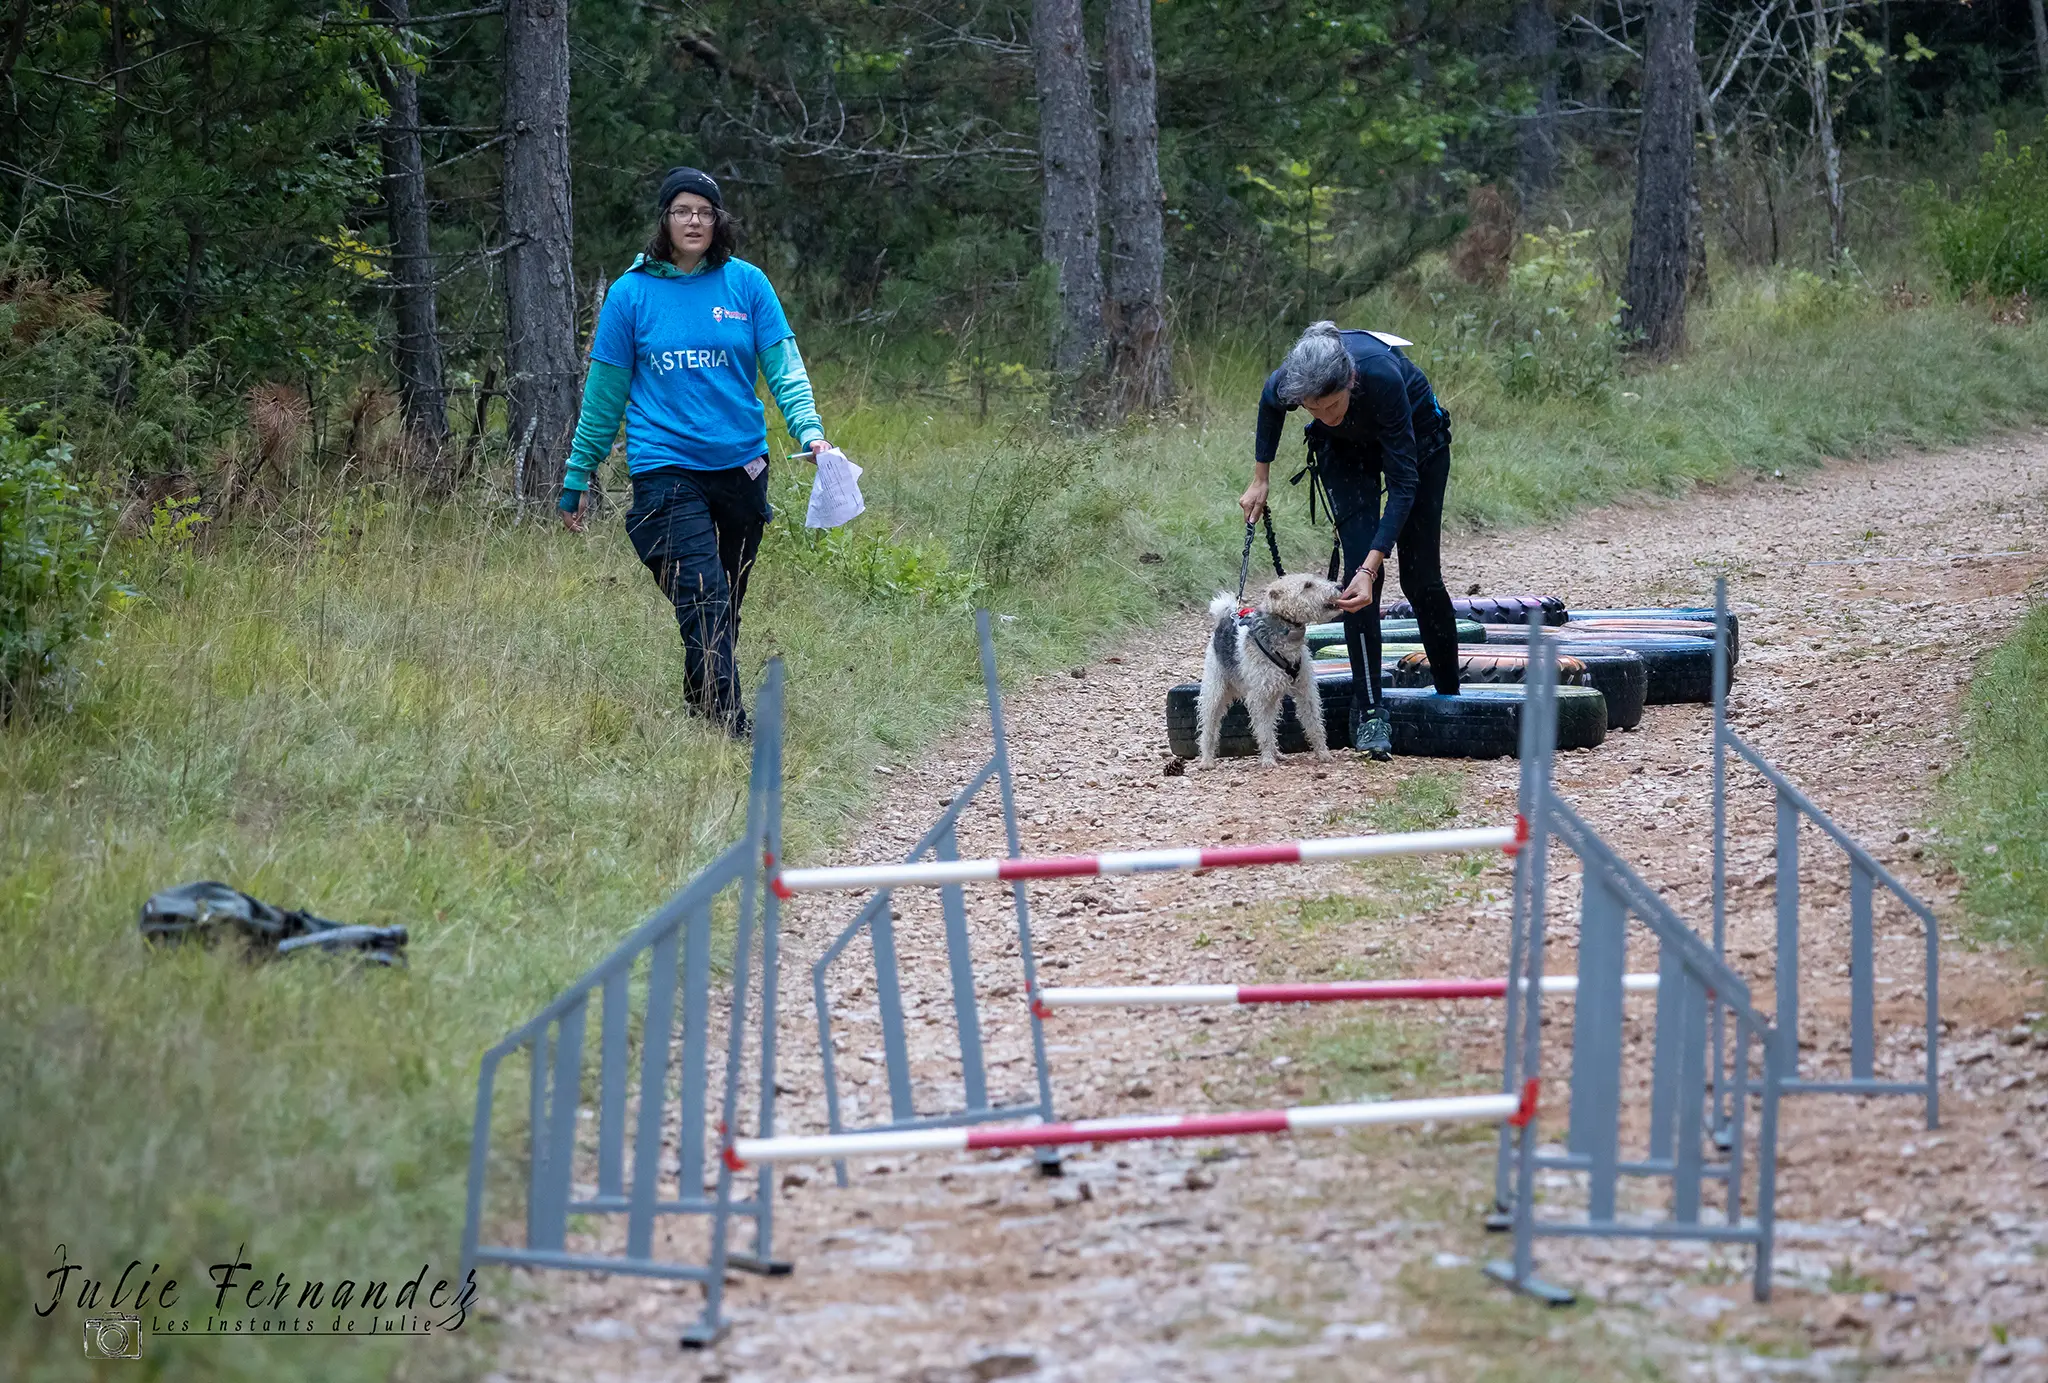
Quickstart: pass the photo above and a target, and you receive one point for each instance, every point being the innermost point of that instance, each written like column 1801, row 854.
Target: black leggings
column 698, row 532
column 1354, row 490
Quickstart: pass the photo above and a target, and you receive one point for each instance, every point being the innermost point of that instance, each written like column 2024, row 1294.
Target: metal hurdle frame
column 1864, row 873
column 678, row 936
column 1693, row 982
column 941, row 842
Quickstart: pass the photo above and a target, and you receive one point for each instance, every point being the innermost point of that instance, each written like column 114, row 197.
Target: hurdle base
column 702, row 1336
column 1049, row 1164
column 1549, row 1293
column 1499, row 1220
column 765, row 1267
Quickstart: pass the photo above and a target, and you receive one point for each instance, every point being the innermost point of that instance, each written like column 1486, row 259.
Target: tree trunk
column 121, row 286
column 417, row 355
column 1536, row 155
column 2040, row 43
column 1821, row 97
column 1140, row 351
column 1660, row 242
column 1070, row 151
column 540, row 283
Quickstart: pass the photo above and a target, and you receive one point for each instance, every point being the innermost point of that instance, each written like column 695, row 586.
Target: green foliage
column 1996, row 824
column 1551, row 333
column 1994, row 237
column 215, row 145
column 1016, row 528
column 128, row 409
column 1799, row 298
column 56, row 589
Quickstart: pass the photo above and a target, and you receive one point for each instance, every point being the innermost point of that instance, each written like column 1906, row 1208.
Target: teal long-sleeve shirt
column 606, row 387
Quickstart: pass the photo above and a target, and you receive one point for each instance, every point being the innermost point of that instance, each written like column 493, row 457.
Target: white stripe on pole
column 929, row 873
column 830, row 1145
column 1408, row 843
column 1443, row 1109
column 1171, row 995
column 841, row 878
column 1138, row 995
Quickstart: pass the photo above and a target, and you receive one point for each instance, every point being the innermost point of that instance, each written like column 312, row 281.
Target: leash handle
column 1244, row 563
column 1272, row 543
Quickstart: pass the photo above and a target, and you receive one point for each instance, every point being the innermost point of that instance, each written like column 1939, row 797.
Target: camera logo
column 113, row 1337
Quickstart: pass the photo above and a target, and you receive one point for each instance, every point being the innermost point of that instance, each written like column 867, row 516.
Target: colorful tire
column 1484, row 722
column 1676, row 667
column 1392, row 631
column 1617, row 674
column 1677, row 613
column 1491, row 609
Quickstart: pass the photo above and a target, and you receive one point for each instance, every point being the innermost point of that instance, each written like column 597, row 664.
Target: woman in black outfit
column 1375, row 415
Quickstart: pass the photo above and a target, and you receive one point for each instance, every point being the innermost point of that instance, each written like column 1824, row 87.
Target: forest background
column 292, row 298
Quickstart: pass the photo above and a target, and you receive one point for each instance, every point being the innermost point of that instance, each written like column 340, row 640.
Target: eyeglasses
column 691, row 215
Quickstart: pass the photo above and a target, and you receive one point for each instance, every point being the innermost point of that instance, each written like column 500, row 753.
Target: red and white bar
column 839, row 878
column 1342, row 991
column 1302, row 1119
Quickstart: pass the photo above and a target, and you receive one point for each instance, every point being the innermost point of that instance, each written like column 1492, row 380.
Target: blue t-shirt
column 693, row 345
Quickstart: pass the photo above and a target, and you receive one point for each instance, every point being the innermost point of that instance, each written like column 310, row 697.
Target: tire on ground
column 1684, row 614
column 1392, row 631
column 1491, row 609
column 1676, row 667
column 1482, row 723
column 1617, row 674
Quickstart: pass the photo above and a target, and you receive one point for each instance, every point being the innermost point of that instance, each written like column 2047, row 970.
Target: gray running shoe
column 1372, row 734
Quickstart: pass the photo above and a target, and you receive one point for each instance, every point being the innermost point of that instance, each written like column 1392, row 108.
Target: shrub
column 1994, row 238
column 55, row 589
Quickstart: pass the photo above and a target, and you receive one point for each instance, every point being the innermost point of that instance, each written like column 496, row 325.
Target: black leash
column 1244, row 565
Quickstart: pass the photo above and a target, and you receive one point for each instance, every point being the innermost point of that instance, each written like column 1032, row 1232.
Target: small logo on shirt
column 661, row 362
column 727, row 314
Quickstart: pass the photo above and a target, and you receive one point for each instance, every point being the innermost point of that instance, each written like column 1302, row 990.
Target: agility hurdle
column 1703, row 1151
column 876, row 921
column 1865, row 873
column 1335, row 991
column 638, row 984
column 1686, row 1151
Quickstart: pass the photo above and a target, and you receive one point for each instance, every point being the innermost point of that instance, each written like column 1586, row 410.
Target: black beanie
column 680, row 180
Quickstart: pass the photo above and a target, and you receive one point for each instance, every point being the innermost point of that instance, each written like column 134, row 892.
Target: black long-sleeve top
column 1391, row 407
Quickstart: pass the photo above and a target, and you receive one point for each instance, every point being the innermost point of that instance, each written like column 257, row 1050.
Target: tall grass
column 1997, row 819
column 474, row 726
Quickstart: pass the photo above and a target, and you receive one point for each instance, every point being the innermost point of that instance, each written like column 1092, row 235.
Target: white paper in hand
column 835, row 494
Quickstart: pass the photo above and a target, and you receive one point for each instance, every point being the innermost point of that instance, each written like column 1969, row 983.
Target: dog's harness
column 1291, row 668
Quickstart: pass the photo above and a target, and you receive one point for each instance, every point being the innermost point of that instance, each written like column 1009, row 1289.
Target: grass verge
column 1996, row 825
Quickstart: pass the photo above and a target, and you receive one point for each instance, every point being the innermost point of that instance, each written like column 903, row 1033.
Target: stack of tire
column 1613, row 663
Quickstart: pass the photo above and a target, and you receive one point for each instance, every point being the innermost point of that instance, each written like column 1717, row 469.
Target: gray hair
column 1317, row 366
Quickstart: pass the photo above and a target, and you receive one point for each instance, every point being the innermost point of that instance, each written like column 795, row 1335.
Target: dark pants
column 1354, row 490
column 698, row 532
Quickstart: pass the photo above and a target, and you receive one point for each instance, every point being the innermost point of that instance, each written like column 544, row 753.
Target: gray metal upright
column 1793, row 807
column 875, row 921
column 671, row 946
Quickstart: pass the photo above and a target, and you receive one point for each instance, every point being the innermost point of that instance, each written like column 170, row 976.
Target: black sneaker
column 738, row 726
column 1372, row 734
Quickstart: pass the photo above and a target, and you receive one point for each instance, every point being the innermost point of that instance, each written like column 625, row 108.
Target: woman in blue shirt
column 678, row 343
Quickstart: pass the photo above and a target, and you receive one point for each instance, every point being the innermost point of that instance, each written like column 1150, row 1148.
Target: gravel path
column 1903, row 1253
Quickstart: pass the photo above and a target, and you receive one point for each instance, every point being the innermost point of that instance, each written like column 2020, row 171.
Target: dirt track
column 1902, row 1253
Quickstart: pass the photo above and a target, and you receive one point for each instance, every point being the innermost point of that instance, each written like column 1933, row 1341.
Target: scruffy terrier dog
column 1263, row 660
